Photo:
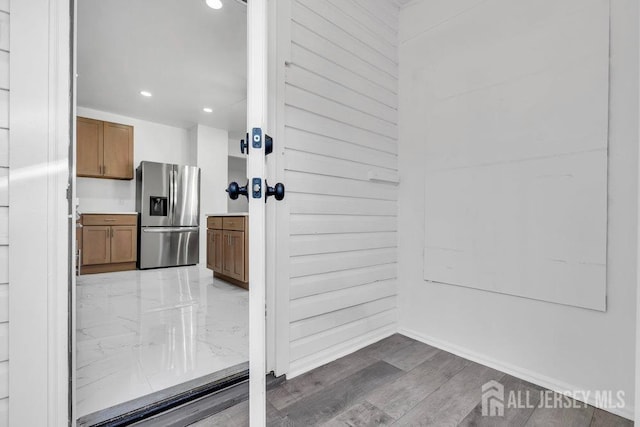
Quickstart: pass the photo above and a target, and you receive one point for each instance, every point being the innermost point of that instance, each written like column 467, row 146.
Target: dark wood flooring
column 402, row 382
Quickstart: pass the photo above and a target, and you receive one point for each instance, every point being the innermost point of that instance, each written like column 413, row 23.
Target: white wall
column 234, row 144
column 340, row 126
column 212, row 152
column 516, row 136
column 238, row 173
column 553, row 345
column 151, row 142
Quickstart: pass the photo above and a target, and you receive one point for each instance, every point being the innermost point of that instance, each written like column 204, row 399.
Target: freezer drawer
column 168, row 246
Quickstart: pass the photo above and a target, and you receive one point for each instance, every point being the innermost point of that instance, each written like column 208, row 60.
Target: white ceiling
column 186, row 54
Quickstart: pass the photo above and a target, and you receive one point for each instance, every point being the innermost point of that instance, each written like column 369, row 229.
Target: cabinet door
column 124, row 243
column 214, row 250
column 96, row 245
column 234, row 255
column 118, row 151
column 89, row 147
column 227, row 254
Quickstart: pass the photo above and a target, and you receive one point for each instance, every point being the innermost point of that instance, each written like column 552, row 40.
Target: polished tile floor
column 139, row 332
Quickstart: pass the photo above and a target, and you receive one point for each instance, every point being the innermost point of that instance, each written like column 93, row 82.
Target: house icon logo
column 493, row 399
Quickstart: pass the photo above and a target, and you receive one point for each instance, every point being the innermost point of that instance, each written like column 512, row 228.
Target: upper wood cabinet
column 90, row 147
column 104, row 149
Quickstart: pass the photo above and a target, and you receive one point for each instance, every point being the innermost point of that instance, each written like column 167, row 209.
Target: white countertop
column 108, row 213
column 229, row 214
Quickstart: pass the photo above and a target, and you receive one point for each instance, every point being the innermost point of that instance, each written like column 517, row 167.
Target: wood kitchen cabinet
column 214, row 250
column 104, row 149
column 227, row 249
column 109, row 243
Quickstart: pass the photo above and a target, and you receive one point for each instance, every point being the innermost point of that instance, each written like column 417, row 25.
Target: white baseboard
column 323, row 357
column 516, row 371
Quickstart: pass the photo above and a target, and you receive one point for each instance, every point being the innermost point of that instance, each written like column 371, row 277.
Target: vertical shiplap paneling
column 340, row 139
column 4, row 213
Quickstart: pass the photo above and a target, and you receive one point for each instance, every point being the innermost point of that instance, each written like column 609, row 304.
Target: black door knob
column 277, row 191
column 235, row 190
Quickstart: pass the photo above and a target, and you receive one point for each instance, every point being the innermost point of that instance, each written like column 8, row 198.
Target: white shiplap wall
column 4, row 212
column 341, row 170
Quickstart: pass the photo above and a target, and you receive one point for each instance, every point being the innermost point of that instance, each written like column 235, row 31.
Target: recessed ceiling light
column 214, row 4
column 207, row 110
column 145, row 93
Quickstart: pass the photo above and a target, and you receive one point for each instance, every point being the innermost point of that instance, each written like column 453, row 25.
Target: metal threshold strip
column 221, row 390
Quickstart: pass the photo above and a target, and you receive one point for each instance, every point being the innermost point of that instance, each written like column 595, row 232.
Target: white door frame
column 278, row 213
column 637, row 389
column 40, row 134
column 257, row 119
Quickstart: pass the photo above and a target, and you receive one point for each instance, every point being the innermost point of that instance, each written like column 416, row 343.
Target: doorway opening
column 161, row 106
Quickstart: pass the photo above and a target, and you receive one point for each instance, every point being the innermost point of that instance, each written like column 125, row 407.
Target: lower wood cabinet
column 108, row 243
column 96, row 245
column 233, row 264
column 227, row 249
column 214, row 250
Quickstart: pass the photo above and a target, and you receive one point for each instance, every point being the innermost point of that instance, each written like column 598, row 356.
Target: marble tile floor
column 139, row 332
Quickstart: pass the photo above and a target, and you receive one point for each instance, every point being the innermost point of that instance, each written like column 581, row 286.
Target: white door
column 256, row 123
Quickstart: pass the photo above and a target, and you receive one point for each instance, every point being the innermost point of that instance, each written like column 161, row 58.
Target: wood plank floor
column 402, row 382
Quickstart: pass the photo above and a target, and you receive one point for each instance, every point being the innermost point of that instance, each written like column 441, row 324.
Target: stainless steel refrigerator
column 168, row 203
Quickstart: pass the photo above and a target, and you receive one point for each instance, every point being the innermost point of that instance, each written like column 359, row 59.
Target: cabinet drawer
column 235, row 223
column 214, row 222
column 109, row 219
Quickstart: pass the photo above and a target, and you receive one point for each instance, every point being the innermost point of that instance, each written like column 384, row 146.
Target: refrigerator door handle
column 172, row 195
column 174, row 182
column 169, row 229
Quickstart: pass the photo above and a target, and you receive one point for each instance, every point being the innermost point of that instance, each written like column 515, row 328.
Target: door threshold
column 149, row 406
column 206, row 406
